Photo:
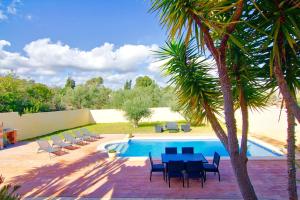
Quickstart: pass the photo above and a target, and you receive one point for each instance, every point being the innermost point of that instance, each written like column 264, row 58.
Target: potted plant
column 130, row 135
column 112, row 153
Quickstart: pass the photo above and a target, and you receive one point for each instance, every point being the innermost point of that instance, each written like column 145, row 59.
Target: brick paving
column 87, row 173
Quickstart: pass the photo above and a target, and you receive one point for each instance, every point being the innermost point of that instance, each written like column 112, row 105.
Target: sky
column 49, row 40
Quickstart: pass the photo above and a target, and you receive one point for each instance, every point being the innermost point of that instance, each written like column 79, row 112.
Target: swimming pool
column 141, row 147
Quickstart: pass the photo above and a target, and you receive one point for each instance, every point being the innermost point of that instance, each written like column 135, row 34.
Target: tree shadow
column 94, row 176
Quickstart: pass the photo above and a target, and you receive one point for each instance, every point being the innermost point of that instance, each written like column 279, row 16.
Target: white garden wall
column 37, row 124
column 114, row 115
column 263, row 123
column 267, row 123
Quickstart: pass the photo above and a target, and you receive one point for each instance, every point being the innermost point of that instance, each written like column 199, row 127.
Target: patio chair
column 214, row 166
column 45, row 146
column 57, row 141
column 72, row 140
column 172, row 127
column 156, row 167
column 171, row 150
column 86, row 132
column 158, row 129
column 194, row 170
column 83, row 137
column 187, row 150
column 186, row 127
column 175, row 170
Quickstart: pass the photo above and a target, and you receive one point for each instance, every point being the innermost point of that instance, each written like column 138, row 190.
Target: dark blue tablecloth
column 165, row 158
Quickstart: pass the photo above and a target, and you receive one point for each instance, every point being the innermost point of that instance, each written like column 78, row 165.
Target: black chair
column 187, row 150
column 175, row 170
column 156, row 167
column 194, row 169
column 171, row 150
column 214, row 166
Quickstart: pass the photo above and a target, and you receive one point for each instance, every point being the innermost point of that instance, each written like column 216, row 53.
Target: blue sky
column 47, row 40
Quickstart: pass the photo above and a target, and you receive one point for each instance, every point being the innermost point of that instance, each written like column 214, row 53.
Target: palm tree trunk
column 283, row 87
column 216, row 125
column 292, row 184
column 239, row 166
column 219, row 54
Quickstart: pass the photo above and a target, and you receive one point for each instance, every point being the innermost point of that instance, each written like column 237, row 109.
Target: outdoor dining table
column 165, row 158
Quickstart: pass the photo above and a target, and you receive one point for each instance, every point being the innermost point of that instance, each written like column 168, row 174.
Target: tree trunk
column 284, row 90
column 239, row 166
column 245, row 126
column 291, row 165
column 216, row 125
column 241, row 173
column 135, row 123
column 219, row 54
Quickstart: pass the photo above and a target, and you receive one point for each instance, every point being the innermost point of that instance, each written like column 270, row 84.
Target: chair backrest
column 56, row 139
column 43, row 144
column 194, row 166
column 172, row 125
column 216, row 159
column 77, row 134
column 187, row 150
column 158, row 128
column 68, row 137
column 175, row 166
column 171, row 150
column 150, row 158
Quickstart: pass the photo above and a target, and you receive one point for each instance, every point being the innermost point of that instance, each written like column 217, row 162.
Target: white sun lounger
column 45, row 146
column 57, row 141
column 71, row 139
column 81, row 137
column 86, row 132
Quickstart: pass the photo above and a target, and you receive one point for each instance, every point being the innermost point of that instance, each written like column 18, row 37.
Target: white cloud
column 12, row 7
column 51, row 62
column 28, row 17
column 156, row 66
column 44, row 53
column 2, row 16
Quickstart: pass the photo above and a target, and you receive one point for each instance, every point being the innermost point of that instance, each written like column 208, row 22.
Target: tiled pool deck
column 87, row 173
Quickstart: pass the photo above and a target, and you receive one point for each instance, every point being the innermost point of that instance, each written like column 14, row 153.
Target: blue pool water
column 141, row 147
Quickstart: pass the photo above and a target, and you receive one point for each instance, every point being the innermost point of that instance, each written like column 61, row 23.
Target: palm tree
column 291, row 70
column 276, row 22
column 212, row 23
column 198, row 92
column 279, row 19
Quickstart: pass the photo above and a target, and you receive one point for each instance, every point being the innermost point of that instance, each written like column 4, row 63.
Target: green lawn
column 125, row 128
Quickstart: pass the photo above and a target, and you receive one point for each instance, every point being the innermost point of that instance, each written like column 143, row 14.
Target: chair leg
column 183, row 181
column 202, row 182
column 164, row 175
column 204, row 176
column 188, row 182
column 169, row 182
column 219, row 176
column 150, row 175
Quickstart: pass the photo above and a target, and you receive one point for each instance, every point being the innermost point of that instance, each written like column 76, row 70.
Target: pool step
column 122, row 147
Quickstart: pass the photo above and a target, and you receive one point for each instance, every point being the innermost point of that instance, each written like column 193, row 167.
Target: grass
column 124, row 128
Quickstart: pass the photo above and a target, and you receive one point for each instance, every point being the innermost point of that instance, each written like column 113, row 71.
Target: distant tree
column 70, row 83
column 144, row 81
column 127, row 85
column 40, row 97
column 97, row 81
column 86, row 96
column 136, row 108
